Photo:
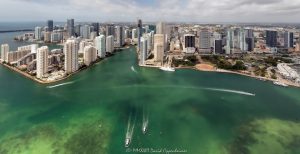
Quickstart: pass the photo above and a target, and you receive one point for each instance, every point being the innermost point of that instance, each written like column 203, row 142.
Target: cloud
column 153, row 10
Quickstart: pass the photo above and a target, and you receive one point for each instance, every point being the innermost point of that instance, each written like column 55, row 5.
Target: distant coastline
column 12, row 31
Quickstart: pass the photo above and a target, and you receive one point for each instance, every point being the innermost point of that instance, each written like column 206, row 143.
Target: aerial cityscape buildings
column 158, row 45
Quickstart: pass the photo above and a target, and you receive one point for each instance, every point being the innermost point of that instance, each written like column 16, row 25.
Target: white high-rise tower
column 100, row 46
column 42, row 61
column 71, row 56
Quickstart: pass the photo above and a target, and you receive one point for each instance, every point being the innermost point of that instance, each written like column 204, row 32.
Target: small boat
column 280, row 84
column 144, row 129
column 127, row 142
column 168, row 69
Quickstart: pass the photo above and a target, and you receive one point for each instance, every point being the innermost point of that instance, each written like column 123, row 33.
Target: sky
column 206, row 11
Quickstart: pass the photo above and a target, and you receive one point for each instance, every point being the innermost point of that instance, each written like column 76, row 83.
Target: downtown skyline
column 205, row 11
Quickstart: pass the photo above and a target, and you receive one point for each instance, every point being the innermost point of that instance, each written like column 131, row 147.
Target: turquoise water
column 195, row 112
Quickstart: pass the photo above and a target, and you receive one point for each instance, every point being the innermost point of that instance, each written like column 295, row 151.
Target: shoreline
column 33, row 78
column 237, row 73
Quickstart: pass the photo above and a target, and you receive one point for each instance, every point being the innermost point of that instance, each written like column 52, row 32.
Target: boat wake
column 59, row 85
column 133, row 69
column 145, row 121
column 189, row 87
column 129, row 132
column 231, row 91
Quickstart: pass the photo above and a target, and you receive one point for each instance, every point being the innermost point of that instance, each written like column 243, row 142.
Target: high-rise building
column 34, row 48
column 159, row 47
column 38, row 33
column 271, row 38
column 189, row 43
column 77, row 30
column 288, row 39
column 218, row 49
column 89, row 55
column 250, row 43
column 150, row 40
column 249, row 33
column 110, row 44
column 93, row 35
column 110, row 30
column 4, row 52
column 160, row 28
column 144, row 50
column 50, row 25
column 71, row 56
column 126, row 34
column 82, row 45
column 70, row 27
column 230, row 42
column 119, row 36
column 134, row 34
column 42, row 61
column 100, row 45
column 242, row 40
column 55, row 37
column 204, row 39
column 140, row 32
column 86, row 31
column 47, row 37
column 96, row 28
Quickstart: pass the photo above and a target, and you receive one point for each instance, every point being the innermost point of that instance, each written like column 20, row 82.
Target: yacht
column 280, row 84
column 168, row 69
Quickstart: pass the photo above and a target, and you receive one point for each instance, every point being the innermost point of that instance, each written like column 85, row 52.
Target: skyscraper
column 249, row 40
column 50, row 25
column 250, row 44
column 70, row 27
column 38, row 33
column 140, row 32
column 230, row 42
column 89, row 55
column 96, row 27
column 218, row 49
column 288, row 39
column 110, row 30
column 4, row 52
column 249, row 33
column 100, row 45
column 119, row 36
column 160, row 28
column 144, row 50
column 77, row 30
column 110, row 44
column 71, row 56
column 189, row 43
column 271, row 38
column 159, row 47
column 204, row 39
column 242, row 40
column 86, row 31
column 42, row 61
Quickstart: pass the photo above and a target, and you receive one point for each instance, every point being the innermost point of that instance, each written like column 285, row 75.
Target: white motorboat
column 280, row 84
column 144, row 129
column 127, row 142
column 168, row 69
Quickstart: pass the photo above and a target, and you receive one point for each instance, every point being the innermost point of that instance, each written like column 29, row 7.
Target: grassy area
column 186, row 61
column 224, row 63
